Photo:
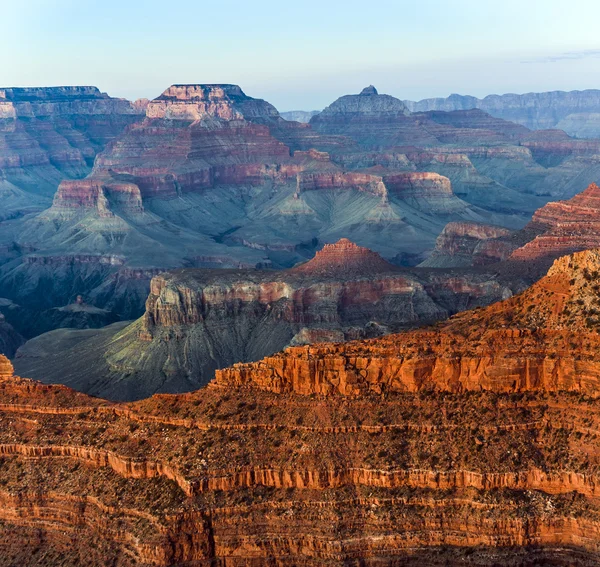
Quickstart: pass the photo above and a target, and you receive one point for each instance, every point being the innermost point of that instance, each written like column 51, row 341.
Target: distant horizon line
column 88, row 86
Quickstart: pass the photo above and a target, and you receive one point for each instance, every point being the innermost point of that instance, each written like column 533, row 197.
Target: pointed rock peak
column 345, row 257
column 368, row 103
column 370, row 90
column 589, row 198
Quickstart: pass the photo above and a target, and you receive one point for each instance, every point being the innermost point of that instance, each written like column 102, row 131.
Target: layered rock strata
column 50, row 134
column 197, row 321
column 564, row 227
column 214, row 178
column 470, row 244
column 205, row 180
column 522, row 344
column 470, row 443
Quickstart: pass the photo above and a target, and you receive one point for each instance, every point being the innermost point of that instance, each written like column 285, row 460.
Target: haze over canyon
column 365, row 335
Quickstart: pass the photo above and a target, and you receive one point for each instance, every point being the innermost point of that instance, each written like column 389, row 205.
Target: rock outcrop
column 199, row 320
column 470, row 443
column 470, row 244
column 50, row 134
column 563, row 227
column 522, row 344
column 342, row 259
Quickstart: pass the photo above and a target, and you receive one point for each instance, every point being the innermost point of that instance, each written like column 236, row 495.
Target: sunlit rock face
column 564, row 227
column 330, row 454
column 522, row 344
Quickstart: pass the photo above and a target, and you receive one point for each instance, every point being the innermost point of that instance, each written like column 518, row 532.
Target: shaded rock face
column 564, row 227
column 50, row 134
column 582, row 124
column 368, row 102
column 470, row 443
column 198, row 321
column 10, row 339
column 556, row 109
column 470, row 244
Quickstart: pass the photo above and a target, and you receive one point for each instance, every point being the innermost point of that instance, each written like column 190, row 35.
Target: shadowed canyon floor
column 471, row 442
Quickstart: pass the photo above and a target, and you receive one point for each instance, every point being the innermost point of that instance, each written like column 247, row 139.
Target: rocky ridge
column 214, row 178
column 527, row 345
column 199, row 320
column 534, row 110
column 564, row 227
column 446, row 446
column 205, row 181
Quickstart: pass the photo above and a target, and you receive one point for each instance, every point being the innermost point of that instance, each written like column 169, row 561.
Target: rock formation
column 555, row 109
column 581, row 124
column 522, row 344
column 211, row 177
column 51, row 134
column 469, row 244
column 469, row 443
column 199, row 320
column 205, row 180
column 344, row 258
column 563, row 227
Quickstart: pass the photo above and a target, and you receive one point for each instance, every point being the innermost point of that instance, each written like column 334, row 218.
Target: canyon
column 197, row 321
column 472, row 442
column 210, row 177
column 50, row 134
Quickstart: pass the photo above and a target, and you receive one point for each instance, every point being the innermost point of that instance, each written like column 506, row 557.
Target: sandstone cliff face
column 526, row 345
column 197, row 321
column 494, row 465
column 564, row 227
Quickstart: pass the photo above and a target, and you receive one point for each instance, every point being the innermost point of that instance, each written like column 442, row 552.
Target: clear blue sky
column 303, row 54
